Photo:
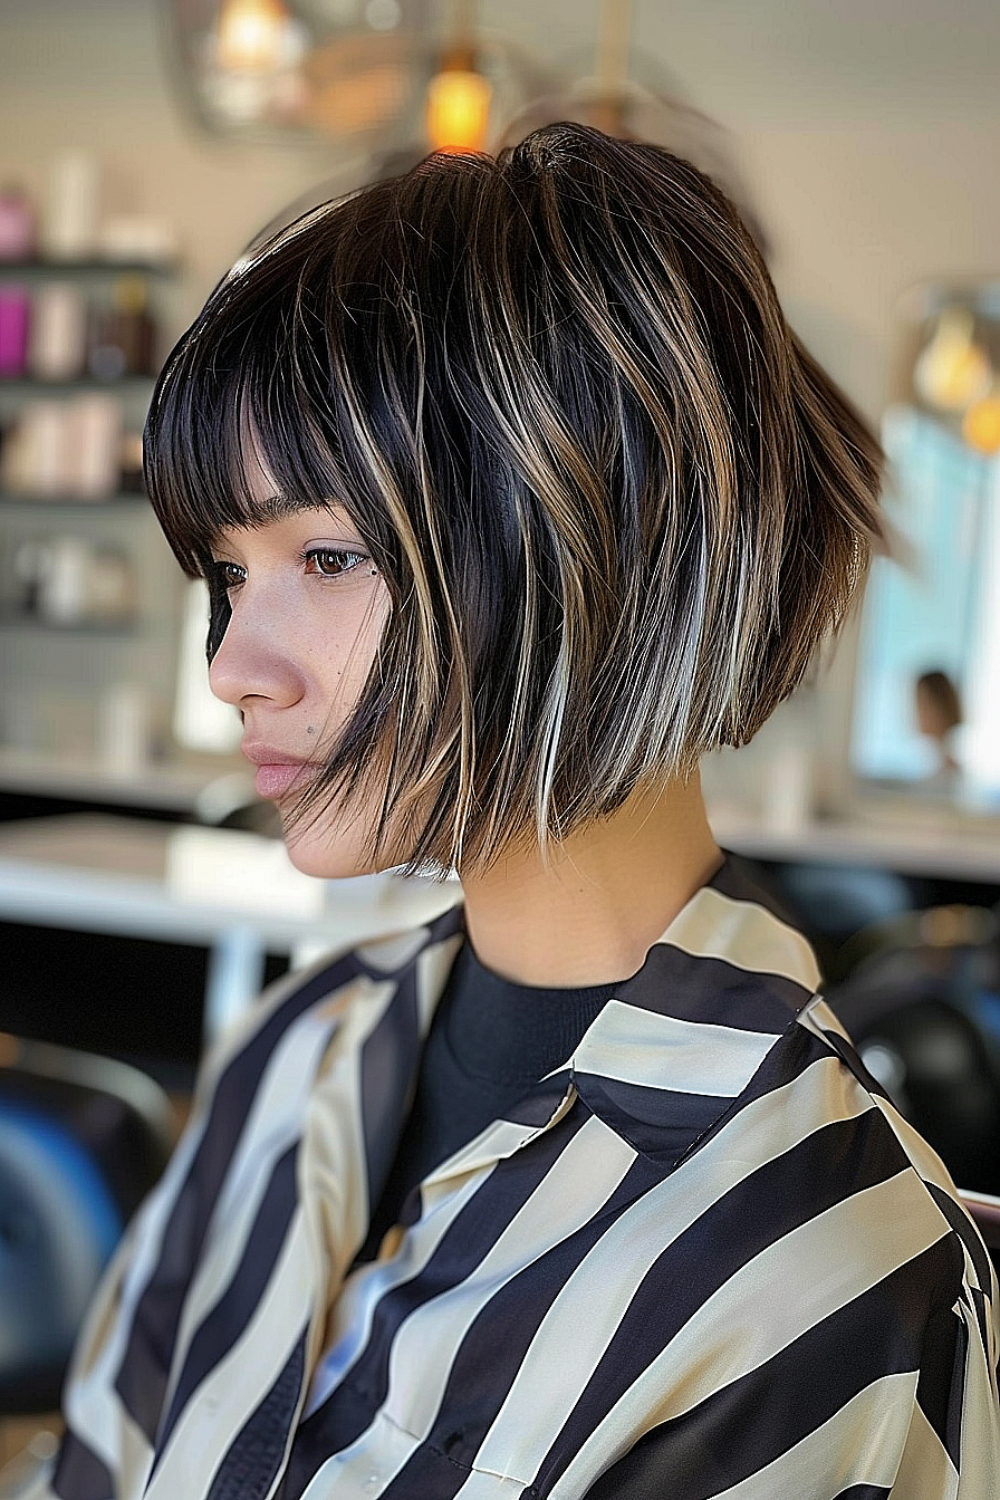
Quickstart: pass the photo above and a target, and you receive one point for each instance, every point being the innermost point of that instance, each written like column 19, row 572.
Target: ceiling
column 737, row 58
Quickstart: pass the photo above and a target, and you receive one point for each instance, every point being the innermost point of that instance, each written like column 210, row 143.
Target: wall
column 864, row 131
column 868, row 133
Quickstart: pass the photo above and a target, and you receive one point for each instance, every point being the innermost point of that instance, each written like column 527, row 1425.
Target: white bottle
column 96, row 421
column 124, row 727
column 63, row 584
column 58, row 340
column 70, row 224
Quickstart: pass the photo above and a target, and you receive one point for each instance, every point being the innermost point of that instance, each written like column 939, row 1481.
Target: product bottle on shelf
column 64, row 449
column 57, row 345
column 15, row 319
column 122, row 336
column 69, row 228
column 131, row 481
column 41, row 450
column 17, row 223
column 28, row 564
column 96, row 429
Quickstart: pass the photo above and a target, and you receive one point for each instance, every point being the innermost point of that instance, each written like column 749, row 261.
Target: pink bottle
column 17, row 224
column 15, row 312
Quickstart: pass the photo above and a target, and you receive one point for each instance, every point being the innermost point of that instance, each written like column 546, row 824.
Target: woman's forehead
column 276, row 509
column 267, row 497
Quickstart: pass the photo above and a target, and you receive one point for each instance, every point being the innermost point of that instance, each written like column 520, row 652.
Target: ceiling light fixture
column 250, row 35
column 459, row 95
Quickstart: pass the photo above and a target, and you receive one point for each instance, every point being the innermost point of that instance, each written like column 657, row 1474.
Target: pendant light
column 459, row 95
column 953, row 371
column 632, row 96
column 251, row 35
column 614, row 35
column 381, row 80
column 981, row 423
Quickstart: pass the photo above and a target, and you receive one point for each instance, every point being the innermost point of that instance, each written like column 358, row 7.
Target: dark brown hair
column 617, row 504
column 943, row 693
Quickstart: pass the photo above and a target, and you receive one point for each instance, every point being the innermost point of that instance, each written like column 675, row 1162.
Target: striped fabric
column 704, row 1258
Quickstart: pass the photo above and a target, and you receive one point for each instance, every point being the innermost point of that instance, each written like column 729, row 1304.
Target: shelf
column 94, row 266
column 23, row 385
column 122, row 498
column 13, row 620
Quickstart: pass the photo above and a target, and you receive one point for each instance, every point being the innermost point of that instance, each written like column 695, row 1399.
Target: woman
column 938, row 712
column 515, row 495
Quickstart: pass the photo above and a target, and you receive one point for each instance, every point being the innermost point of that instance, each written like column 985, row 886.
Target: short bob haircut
column 616, row 503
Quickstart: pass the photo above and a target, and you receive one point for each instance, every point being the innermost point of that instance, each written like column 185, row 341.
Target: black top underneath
column 490, row 1040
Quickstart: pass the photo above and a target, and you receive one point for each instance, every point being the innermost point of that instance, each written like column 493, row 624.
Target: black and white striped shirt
column 704, row 1257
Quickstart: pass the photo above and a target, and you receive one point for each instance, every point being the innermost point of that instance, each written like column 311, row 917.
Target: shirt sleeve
column 24, row 1479
column 106, row 1448
column 91, row 1457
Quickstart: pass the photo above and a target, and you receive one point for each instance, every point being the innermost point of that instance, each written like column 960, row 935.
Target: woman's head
column 938, row 705
column 613, row 503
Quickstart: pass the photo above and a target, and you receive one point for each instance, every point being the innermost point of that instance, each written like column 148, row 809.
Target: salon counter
column 234, row 893
column 237, row 896
column 911, row 839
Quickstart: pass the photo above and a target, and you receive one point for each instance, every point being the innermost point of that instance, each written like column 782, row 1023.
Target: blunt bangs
column 616, row 503
column 234, row 392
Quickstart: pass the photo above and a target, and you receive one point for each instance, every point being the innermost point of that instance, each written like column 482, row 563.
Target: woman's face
column 930, row 719
column 308, row 609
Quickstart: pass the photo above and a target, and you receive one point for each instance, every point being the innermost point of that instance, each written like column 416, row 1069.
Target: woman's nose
column 254, row 659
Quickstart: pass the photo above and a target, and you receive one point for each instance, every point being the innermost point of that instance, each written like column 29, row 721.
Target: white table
column 168, row 788
column 238, row 895
column 235, row 893
column 891, row 835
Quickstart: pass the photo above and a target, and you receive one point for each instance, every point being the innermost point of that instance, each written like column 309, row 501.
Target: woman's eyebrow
column 277, row 507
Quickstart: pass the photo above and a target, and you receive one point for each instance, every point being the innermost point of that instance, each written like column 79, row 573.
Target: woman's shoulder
column 797, row 1192
column 810, row 1271
column 323, row 991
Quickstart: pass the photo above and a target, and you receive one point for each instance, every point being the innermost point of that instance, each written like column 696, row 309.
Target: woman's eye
column 230, row 575
column 321, row 562
column 330, row 562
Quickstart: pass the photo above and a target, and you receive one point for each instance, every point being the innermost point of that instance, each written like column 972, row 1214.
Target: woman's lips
column 275, row 780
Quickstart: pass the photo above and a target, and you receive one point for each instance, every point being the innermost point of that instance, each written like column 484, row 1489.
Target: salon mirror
column 927, row 689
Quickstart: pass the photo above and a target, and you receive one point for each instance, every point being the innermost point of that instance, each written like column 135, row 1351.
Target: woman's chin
column 330, row 856
column 324, row 860
column 336, row 845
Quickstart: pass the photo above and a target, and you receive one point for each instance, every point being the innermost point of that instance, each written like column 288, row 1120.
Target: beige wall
column 870, row 147
column 868, row 132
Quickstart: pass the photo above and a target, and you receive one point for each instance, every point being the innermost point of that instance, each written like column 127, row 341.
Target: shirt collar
column 675, row 1043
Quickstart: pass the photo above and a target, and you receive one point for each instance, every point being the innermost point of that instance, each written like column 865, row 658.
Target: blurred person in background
column 938, row 711
column 515, row 495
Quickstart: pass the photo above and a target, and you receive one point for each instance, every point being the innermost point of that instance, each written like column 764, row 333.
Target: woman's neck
column 590, row 915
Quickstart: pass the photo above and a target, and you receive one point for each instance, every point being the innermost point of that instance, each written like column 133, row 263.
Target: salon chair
column 921, row 1002
column 82, row 1140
